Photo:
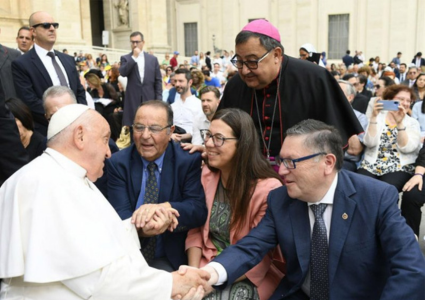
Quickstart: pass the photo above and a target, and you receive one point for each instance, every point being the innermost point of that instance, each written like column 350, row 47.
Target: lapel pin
column 344, row 216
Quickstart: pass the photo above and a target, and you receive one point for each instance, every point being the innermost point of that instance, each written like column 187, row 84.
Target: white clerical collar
column 41, row 52
column 330, row 194
column 66, row 163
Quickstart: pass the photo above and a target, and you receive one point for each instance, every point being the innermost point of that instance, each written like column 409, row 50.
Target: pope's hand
column 187, row 278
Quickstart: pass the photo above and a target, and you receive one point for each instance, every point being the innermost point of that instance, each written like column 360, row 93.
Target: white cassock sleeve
column 55, row 227
column 128, row 277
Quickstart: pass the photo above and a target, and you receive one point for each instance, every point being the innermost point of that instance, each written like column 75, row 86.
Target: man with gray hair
column 61, row 239
column 55, row 97
column 355, row 142
column 341, row 233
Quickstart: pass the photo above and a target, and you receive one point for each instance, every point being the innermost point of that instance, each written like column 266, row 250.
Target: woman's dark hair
column 114, row 74
column 415, row 89
column 388, row 81
column 248, row 164
column 21, row 112
column 198, row 73
column 391, row 91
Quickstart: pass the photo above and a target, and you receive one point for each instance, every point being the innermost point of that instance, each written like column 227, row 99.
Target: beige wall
column 377, row 27
column 73, row 17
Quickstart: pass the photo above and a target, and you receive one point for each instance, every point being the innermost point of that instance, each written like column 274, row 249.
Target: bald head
column 43, row 28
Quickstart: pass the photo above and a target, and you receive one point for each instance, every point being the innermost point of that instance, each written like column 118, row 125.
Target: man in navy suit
column 418, row 61
column 35, row 72
column 144, row 77
column 177, row 177
column 347, row 59
column 359, row 248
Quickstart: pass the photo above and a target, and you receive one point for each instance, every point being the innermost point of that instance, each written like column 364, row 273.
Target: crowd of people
column 246, row 175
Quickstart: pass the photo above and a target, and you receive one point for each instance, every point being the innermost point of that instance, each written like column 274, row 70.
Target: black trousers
column 397, row 179
column 412, row 202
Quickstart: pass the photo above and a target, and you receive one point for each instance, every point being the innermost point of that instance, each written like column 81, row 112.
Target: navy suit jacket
column 31, row 80
column 373, row 254
column 138, row 92
column 422, row 61
column 180, row 185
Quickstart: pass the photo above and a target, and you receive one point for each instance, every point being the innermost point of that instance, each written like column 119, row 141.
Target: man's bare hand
column 187, row 278
column 136, row 52
column 193, row 148
column 154, row 219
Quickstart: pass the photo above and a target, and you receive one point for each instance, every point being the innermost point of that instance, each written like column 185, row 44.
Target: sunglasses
column 47, row 25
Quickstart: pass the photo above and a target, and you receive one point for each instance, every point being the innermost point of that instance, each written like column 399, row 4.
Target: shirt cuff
column 221, row 271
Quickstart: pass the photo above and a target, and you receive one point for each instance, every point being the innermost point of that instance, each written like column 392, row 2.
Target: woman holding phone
column 392, row 139
column 236, row 179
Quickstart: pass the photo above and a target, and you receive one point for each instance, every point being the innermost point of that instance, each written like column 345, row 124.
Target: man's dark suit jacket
column 138, row 92
column 12, row 153
column 422, row 61
column 347, row 60
column 373, row 254
column 366, row 93
column 360, row 103
column 7, row 55
column 180, row 185
column 31, row 80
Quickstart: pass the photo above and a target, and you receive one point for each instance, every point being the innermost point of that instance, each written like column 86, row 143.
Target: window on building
column 339, row 29
column 190, row 38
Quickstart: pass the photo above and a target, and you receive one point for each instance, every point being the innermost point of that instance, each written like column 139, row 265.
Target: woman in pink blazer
column 236, row 180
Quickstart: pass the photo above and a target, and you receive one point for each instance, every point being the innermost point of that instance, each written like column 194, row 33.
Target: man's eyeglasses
column 412, row 73
column 135, row 42
column 155, row 129
column 250, row 64
column 218, row 139
column 291, row 163
column 46, row 25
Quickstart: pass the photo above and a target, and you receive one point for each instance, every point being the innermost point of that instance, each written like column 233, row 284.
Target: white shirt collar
column 41, row 52
column 329, row 196
column 66, row 163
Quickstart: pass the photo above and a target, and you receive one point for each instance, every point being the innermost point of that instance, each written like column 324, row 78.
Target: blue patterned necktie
column 151, row 197
column 319, row 284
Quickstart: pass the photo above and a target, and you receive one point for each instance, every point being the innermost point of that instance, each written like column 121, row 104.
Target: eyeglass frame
column 136, row 42
column 245, row 62
column 280, row 160
column 155, row 131
column 214, row 137
column 44, row 25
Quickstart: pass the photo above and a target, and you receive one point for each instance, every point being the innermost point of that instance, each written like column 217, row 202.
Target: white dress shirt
column 186, row 111
column 140, row 60
column 201, row 122
column 48, row 64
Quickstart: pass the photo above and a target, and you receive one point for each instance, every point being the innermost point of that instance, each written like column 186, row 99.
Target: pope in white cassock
column 61, row 239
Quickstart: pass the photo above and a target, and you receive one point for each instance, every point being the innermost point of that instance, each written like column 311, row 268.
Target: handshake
column 190, row 283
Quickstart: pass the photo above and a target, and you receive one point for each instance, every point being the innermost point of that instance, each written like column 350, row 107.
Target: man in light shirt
column 187, row 107
column 144, row 77
column 210, row 99
column 341, row 233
